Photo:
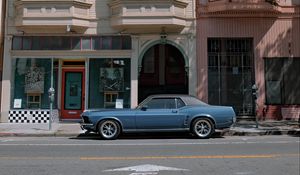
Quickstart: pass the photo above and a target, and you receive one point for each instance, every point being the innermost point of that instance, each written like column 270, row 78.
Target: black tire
column 203, row 128
column 109, row 129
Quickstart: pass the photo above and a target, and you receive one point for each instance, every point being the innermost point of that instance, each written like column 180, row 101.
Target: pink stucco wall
column 273, row 36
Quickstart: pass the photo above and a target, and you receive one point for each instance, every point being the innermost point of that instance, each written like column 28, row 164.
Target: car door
column 159, row 114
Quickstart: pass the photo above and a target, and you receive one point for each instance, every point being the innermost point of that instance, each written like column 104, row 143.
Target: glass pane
column 32, row 76
column 149, row 61
column 116, row 42
column 96, row 43
column 291, row 81
column 161, row 103
column 36, row 43
column 55, row 43
column 156, row 104
column 76, row 43
column 17, row 43
column 65, row 43
column 126, row 42
column 86, row 43
column 109, row 80
column 106, row 42
column 273, row 92
column 73, row 89
column 180, row 103
column 273, row 80
column 26, row 43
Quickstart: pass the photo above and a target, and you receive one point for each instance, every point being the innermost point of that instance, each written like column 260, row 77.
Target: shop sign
column 17, row 103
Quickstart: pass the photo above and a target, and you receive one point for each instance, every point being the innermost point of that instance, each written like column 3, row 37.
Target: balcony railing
column 44, row 15
column 152, row 15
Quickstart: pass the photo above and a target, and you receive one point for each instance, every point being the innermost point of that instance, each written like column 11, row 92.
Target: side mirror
column 144, row 108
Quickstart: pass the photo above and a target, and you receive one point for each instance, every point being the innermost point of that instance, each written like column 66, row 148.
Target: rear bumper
column 225, row 125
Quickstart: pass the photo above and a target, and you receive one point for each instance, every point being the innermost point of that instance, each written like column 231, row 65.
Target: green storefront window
column 32, row 79
column 109, row 82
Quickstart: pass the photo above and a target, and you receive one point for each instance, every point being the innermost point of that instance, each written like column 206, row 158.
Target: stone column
column 192, row 69
column 6, row 80
column 134, row 71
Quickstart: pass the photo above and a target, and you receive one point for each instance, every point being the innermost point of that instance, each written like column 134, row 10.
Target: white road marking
column 146, row 169
column 244, row 173
column 7, row 140
column 145, row 144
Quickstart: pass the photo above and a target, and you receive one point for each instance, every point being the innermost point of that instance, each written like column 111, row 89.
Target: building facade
column 94, row 54
column 241, row 43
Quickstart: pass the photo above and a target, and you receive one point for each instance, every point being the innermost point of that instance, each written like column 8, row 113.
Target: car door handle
column 174, row 111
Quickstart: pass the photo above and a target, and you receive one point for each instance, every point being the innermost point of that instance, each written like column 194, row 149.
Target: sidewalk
column 241, row 128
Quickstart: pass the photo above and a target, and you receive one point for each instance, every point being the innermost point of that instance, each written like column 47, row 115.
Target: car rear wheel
column 109, row 129
column 202, row 128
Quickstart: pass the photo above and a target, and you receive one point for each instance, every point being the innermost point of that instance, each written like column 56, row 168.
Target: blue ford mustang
column 159, row 113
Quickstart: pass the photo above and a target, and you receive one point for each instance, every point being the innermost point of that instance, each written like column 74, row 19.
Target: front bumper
column 87, row 126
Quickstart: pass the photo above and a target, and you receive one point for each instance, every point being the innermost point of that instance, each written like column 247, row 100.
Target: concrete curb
column 263, row 133
column 240, row 132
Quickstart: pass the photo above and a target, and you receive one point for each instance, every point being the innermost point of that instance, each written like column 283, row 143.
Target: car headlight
column 85, row 119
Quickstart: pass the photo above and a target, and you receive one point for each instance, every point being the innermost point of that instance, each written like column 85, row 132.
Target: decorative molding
column 246, row 8
column 40, row 15
column 153, row 15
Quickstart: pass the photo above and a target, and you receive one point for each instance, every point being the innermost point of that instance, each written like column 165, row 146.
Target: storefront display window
column 32, row 79
column 109, row 83
column 282, row 81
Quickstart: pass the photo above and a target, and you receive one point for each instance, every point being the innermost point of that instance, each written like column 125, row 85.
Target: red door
column 72, row 93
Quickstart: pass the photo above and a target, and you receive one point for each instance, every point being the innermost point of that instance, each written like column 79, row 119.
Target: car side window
column 161, row 103
column 180, row 103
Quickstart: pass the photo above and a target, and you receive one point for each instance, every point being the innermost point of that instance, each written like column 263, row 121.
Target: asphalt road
column 263, row 155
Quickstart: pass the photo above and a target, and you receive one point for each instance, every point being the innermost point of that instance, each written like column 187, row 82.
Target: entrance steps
column 245, row 118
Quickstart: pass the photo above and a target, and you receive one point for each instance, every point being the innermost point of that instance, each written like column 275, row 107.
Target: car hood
column 89, row 111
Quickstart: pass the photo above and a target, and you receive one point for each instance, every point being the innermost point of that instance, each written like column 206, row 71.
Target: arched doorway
column 162, row 72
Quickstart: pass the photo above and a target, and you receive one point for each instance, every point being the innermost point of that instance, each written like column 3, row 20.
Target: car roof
column 169, row 95
column 186, row 98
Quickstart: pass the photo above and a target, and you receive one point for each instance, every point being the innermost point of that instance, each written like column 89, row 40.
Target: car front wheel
column 202, row 128
column 109, row 129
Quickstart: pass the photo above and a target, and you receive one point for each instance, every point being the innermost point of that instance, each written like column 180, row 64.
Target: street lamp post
column 51, row 93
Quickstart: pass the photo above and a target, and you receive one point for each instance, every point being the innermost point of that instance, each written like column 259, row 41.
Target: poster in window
column 111, row 79
column 34, row 80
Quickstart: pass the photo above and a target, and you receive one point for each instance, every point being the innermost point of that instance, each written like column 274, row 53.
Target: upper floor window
column 71, row 43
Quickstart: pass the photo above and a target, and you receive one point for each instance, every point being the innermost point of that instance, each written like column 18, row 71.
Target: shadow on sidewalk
column 134, row 136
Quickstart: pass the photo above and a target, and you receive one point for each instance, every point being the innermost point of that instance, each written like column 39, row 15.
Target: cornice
column 294, row 13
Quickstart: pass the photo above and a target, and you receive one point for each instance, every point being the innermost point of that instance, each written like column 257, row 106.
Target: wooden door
column 73, row 89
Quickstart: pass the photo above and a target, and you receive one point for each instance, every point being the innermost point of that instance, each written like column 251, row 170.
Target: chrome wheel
column 109, row 129
column 203, row 128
